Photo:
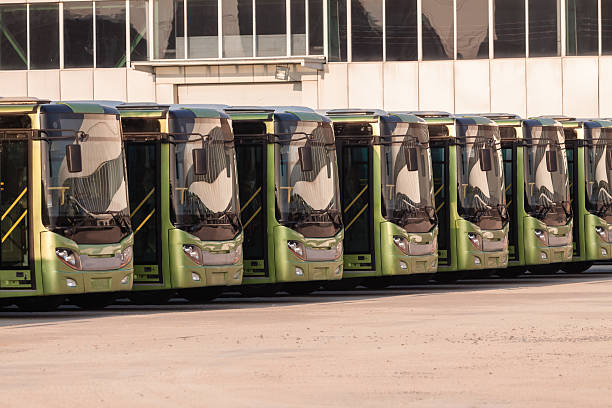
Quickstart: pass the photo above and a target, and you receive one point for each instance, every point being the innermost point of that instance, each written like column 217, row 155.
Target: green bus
column 65, row 227
column 469, row 194
column 387, row 197
column 537, row 193
column 183, row 190
column 290, row 209
column 589, row 155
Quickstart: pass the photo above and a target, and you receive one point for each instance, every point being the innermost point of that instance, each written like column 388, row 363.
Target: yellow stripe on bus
column 142, row 202
column 242, row 207
column 14, row 226
column 355, row 199
column 355, row 219
column 441, row 205
column 144, row 221
column 508, row 188
column 251, row 219
column 14, row 204
column 440, row 189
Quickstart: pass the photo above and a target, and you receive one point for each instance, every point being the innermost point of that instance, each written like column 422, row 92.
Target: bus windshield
column 546, row 179
column 599, row 172
column 77, row 204
column 481, row 176
column 307, row 197
column 205, row 205
column 407, row 183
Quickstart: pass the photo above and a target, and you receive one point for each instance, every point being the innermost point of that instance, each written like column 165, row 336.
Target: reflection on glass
column 606, row 27
column 168, row 30
column 202, row 19
column 315, row 27
column 472, row 29
column 78, row 34
column 13, row 37
column 582, row 27
column 271, row 23
column 509, row 23
column 139, row 18
column 110, row 34
column 438, row 29
column 367, row 40
column 599, row 172
column 337, row 30
column 544, row 28
column 237, row 28
column 44, row 36
column 298, row 27
column 401, row 26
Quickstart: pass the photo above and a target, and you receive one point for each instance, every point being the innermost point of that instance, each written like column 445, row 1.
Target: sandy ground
column 521, row 343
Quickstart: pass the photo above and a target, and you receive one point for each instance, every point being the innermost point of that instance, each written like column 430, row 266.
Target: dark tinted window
column 202, row 23
column 337, row 30
column 110, row 34
column 473, row 29
column 13, row 39
column 139, row 17
column 298, row 27
column 544, row 30
column 315, row 27
column 237, row 28
column 509, row 26
column 401, row 22
column 438, row 30
column 606, row 27
column 44, row 36
column 367, row 30
column 271, row 28
column 582, row 27
column 78, row 34
column 169, row 31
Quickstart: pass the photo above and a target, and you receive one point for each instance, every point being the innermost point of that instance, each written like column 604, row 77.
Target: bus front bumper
column 547, row 244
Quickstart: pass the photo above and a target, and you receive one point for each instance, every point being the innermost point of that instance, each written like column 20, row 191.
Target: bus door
column 439, row 162
column 251, row 157
column 571, row 149
column 510, row 169
column 143, row 168
column 15, row 271
column 355, row 168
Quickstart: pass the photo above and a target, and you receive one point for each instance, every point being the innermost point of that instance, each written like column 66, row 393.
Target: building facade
column 528, row 57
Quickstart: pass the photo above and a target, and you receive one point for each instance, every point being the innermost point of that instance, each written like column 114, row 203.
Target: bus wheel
column 202, row 295
column 377, row 283
column 549, row 269
column 576, row 267
column 301, row 288
column 93, row 301
column 40, row 304
column 342, row 284
column 262, row 290
column 150, row 298
column 510, row 273
column 446, row 277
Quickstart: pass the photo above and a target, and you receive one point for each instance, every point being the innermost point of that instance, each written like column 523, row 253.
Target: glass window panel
column 110, row 34
column 544, row 28
column 509, row 23
column 472, row 29
column 438, row 29
column 298, row 27
column 44, row 36
column 139, row 19
column 13, row 37
column 366, row 27
column 271, row 26
column 315, row 27
column 78, row 34
column 606, row 27
column 237, row 28
column 582, row 27
column 337, row 30
column 202, row 28
column 169, row 33
column 401, row 21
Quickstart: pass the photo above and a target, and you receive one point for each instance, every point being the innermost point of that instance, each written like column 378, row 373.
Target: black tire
column 202, row 295
column 265, row 290
column 40, row 304
column 301, row 289
column 342, row 284
column 576, row 267
column 150, row 297
column 377, row 283
column 447, row 277
column 510, row 273
column 93, row 301
column 548, row 269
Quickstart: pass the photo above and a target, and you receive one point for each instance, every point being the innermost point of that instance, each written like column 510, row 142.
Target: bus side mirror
column 74, row 158
column 305, row 158
column 200, row 161
column 412, row 160
column 551, row 161
column 486, row 159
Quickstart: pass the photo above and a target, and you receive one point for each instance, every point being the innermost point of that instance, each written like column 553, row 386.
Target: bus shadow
column 11, row 317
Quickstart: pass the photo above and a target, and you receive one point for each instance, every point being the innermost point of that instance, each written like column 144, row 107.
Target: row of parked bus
column 100, row 198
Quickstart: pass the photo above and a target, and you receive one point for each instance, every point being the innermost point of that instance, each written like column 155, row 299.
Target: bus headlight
column 69, row 257
column 475, row 239
column 602, row 233
column 193, row 252
column 297, row 248
column 541, row 235
column 126, row 256
column 402, row 244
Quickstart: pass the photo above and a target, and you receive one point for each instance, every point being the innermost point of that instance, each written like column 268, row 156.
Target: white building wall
column 574, row 86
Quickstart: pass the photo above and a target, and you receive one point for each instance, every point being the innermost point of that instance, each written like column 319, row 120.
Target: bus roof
column 152, row 110
column 371, row 115
column 299, row 113
column 79, row 108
